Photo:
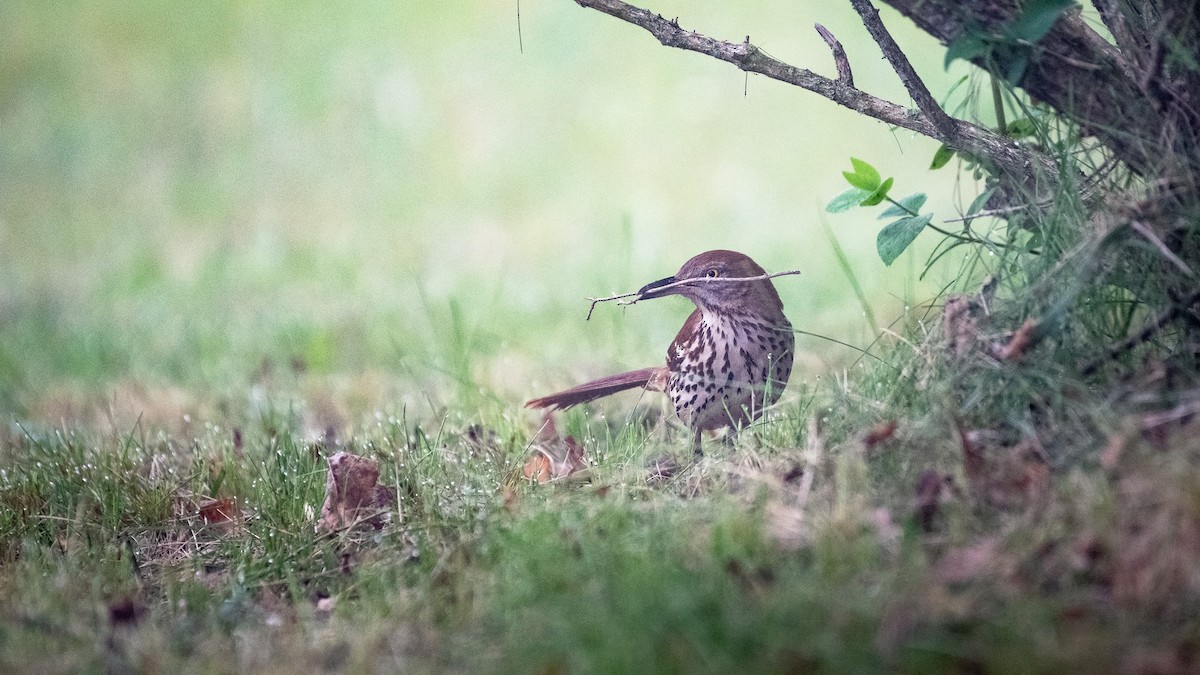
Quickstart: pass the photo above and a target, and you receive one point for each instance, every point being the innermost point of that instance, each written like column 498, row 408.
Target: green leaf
column 979, row 202
column 1020, row 128
column 865, row 170
column 1016, row 69
column 858, row 181
column 864, row 176
column 908, row 206
column 879, row 194
column 942, row 157
column 1037, row 18
column 847, row 200
column 966, row 47
column 897, row 235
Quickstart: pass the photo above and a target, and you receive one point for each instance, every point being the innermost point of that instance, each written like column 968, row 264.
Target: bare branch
column 908, row 76
column 1147, row 332
column 1114, row 20
column 1006, row 154
column 839, row 55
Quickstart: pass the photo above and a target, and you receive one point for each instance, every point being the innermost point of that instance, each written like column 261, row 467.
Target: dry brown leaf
column 221, row 514
column 552, row 457
column 537, row 468
column 1024, row 339
column 353, row 495
column 880, row 433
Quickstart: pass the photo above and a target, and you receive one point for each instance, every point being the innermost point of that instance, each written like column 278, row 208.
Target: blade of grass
column 848, row 270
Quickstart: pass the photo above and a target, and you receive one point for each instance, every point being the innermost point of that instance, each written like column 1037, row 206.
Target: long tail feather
column 651, row 378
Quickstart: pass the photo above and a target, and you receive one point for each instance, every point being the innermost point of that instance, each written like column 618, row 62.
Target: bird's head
column 705, row 280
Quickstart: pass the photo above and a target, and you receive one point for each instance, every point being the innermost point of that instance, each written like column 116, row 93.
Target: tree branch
column 908, row 76
column 968, row 138
column 1074, row 71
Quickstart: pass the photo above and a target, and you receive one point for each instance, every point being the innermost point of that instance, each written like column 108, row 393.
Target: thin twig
column 862, row 351
column 1185, row 409
column 1143, row 335
column 1005, row 211
column 1162, row 248
column 839, row 55
column 520, row 40
column 637, row 295
column 908, row 76
column 814, row 448
column 592, row 307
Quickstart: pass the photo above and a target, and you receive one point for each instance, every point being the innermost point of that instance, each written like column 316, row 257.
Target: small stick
column 1148, row 331
column 1162, row 248
column 839, row 55
column 682, row 282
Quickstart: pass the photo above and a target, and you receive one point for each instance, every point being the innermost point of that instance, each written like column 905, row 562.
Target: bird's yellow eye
column 712, row 274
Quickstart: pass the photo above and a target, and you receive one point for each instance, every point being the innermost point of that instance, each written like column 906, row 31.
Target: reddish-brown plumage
column 732, row 357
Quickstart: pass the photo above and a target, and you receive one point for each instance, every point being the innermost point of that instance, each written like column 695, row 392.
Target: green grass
column 723, row 565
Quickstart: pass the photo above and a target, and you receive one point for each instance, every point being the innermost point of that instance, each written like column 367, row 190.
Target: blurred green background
column 408, row 201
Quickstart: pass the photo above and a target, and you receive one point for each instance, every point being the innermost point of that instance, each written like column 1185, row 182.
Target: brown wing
column 674, row 353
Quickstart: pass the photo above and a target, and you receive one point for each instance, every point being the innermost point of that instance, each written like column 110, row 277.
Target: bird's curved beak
column 652, row 289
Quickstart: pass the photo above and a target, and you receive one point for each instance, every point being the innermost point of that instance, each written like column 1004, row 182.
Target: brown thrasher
column 731, row 359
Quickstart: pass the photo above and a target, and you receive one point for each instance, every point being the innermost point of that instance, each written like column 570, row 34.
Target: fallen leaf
column 537, row 469
column 222, row 514
column 880, row 433
column 353, row 495
column 552, row 457
column 1024, row 339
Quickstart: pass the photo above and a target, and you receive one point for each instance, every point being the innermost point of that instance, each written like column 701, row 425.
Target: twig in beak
column 682, row 282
